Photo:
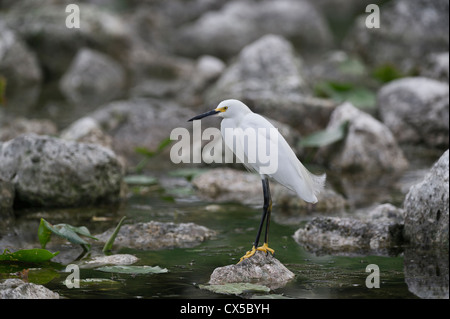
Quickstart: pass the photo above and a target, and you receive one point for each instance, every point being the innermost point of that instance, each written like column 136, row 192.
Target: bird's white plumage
column 290, row 171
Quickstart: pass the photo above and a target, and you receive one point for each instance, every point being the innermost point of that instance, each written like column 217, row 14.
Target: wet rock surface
column 381, row 232
column 427, row 207
column 47, row 171
column 157, row 235
column 18, row 289
column 260, row 269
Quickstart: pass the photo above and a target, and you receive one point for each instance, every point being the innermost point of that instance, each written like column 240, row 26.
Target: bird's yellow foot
column 265, row 248
column 249, row 254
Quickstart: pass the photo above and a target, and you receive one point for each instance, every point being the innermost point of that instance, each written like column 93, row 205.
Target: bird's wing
column 284, row 165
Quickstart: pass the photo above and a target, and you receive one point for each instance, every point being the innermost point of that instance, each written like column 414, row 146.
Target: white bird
column 261, row 148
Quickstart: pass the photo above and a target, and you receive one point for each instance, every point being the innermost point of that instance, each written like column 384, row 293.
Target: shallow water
column 316, row 276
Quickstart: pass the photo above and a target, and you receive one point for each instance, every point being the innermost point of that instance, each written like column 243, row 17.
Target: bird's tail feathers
column 318, row 182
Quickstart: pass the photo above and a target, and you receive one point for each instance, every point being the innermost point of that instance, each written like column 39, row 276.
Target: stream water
column 316, row 276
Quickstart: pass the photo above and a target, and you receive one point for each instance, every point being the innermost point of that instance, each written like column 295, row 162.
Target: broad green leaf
column 235, row 288
column 65, row 231
column 359, row 96
column 133, row 269
column 36, row 255
column 110, row 242
column 325, row 137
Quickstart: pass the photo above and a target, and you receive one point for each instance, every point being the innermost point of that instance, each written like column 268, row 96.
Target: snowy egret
column 238, row 119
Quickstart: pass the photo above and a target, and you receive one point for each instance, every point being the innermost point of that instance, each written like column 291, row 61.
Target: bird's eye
column 225, row 108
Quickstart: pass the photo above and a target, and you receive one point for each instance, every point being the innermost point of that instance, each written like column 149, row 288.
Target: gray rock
column 14, row 127
column 157, row 235
column 7, row 194
column 369, row 145
column 93, row 78
column 159, row 75
column 406, row 26
column 427, row 207
column 225, row 32
column 379, row 233
column 17, row 63
column 426, row 272
column 416, row 110
column 42, row 24
column 231, row 185
column 18, row 289
column 267, row 76
column 86, row 130
column 47, row 171
column 140, row 123
column 20, row 69
column 258, row 269
column 117, row 259
column 437, row 67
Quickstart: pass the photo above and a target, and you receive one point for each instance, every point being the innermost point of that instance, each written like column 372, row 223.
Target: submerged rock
column 259, row 269
column 426, row 272
column 379, row 233
column 117, row 259
column 47, row 171
column 18, row 289
column 157, row 235
column 427, row 207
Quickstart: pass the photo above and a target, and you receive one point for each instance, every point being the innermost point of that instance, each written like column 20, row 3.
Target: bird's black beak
column 198, row 117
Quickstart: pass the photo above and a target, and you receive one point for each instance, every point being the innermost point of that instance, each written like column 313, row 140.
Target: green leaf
column 386, row 73
column 141, row 180
column 44, row 232
column 340, row 91
column 235, row 288
column 144, row 151
column 36, row 255
column 110, row 242
column 133, row 269
column 65, row 231
column 325, row 137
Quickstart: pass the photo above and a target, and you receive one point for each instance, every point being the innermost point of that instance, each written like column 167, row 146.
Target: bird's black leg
column 267, row 208
column 267, row 211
